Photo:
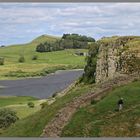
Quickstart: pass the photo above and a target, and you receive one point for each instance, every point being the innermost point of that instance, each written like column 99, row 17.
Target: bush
column 21, row 59
column 55, row 94
column 35, row 57
column 7, row 117
column 93, row 102
column 43, row 105
column 31, row 104
column 1, row 61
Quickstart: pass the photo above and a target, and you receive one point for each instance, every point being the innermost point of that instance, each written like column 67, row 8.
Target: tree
column 40, row 48
column 7, row 117
column 90, row 68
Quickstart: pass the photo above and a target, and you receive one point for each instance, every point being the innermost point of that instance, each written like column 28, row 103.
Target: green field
column 20, row 105
column 102, row 119
column 5, row 101
column 48, row 61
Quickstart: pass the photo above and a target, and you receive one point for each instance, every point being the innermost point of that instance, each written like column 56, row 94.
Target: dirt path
column 56, row 125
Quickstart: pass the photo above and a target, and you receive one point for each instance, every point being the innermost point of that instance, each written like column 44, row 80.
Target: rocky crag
column 117, row 56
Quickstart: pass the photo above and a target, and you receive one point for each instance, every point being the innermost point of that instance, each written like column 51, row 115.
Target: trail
column 56, row 125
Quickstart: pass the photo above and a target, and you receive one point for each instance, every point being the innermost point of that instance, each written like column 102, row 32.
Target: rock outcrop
column 117, row 55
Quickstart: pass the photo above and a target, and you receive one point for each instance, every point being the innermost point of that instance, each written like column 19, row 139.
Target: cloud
column 20, row 22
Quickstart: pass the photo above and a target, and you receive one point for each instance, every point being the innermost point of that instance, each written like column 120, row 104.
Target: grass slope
column 44, row 38
column 101, row 119
column 33, row 125
column 49, row 60
column 19, row 105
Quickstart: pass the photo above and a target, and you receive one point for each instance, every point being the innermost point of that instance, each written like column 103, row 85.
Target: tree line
column 68, row 41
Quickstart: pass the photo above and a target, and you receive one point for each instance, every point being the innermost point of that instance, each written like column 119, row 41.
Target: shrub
column 1, row 61
column 55, row 94
column 21, row 59
column 93, row 102
column 7, row 117
column 35, row 57
column 31, row 104
column 43, row 105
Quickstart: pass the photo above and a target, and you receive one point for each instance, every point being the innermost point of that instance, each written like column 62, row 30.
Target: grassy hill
column 44, row 38
column 50, row 61
column 98, row 119
column 94, row 120
column 101, row 119
column 38, row 120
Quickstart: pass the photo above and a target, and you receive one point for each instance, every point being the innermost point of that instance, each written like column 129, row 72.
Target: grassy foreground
column 101, row 119
column 33, row 125
column 98, row 119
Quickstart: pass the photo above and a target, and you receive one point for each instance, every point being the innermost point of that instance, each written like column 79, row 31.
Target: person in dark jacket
column 120, row 104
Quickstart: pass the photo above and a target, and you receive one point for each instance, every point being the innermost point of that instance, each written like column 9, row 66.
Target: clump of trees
column 68, row 41
column 90, row 68
column 7, row 117
column 49, row 47
column 78, row 37
column 1, row 60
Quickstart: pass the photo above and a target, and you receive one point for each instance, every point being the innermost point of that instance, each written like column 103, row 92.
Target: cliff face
column 117, row 55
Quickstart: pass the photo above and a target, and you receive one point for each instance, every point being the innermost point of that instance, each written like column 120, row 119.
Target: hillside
column 44, row 38
column 48, row 61
column 90, row 110
column 101, row 120
column 73, row 100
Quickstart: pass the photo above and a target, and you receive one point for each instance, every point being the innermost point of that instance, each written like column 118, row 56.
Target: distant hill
column 38, row 40
column 44, row 38
column 53, row 60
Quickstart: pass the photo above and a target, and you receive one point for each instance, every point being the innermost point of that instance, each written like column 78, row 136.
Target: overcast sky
column 20, row 23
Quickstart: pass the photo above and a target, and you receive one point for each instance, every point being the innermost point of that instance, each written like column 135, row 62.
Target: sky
column 22, row 22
